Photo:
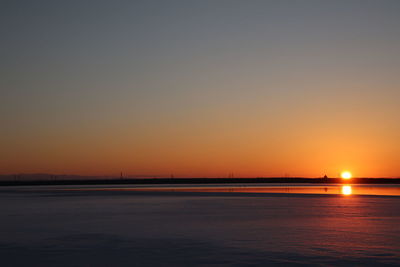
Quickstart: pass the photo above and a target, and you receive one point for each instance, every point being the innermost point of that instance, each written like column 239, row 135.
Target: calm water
column 200, row 225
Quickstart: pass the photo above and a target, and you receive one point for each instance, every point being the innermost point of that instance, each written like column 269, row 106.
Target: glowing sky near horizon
column 200, row 88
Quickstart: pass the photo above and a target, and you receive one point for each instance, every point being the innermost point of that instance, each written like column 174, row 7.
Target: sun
column 346, row 175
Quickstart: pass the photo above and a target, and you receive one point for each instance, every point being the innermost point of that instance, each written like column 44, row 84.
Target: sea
column 200, row 225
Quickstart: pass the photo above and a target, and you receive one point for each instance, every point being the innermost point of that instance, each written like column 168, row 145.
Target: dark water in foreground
column 234, row 225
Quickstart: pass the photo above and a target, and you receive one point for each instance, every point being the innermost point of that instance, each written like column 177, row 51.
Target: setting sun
column 346, row 175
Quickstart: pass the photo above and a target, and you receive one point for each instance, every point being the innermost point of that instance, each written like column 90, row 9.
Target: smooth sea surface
column 200, row 225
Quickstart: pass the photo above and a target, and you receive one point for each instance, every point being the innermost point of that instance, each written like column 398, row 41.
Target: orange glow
column 215, row 150
column 183, row 108
column 346, row 190
column 333, row 189
column 346, row 175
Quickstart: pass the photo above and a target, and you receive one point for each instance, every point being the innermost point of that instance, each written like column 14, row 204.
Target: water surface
column 249, row 225
column 336, row 189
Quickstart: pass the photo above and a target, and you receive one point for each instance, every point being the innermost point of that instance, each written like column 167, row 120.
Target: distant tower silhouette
column 325, row 177
column 121, row 177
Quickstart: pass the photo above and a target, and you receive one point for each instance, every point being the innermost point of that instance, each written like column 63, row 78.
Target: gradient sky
column 200, row 88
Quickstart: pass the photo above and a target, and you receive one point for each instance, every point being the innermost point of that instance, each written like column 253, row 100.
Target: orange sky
column 207, row 89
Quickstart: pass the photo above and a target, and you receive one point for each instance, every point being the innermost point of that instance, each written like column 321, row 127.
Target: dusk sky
column 200, row 88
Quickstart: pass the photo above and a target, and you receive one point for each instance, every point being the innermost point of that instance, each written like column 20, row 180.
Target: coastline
column 141, row 181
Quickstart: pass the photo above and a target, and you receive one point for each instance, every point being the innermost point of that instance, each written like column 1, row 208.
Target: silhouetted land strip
column 201, row 181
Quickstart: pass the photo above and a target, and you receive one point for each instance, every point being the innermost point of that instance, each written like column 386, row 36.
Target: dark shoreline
column 134, row 181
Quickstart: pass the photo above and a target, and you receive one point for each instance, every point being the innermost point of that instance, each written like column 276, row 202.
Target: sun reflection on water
column 346, row 190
